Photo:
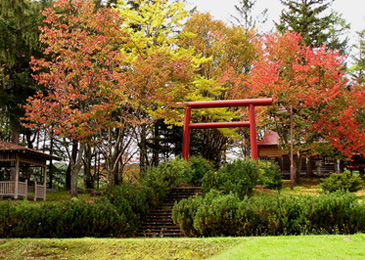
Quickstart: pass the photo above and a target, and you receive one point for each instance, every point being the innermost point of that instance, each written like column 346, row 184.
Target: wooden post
column 186, row 134
column 26, row 188
column 44, row 181
column 35, row 190
column 291, row 150
column 252, row 117
column 16, row 181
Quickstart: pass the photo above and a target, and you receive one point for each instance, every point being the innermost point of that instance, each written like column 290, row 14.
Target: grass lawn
column 290, row 247
column 298, row 247
column 310, row 187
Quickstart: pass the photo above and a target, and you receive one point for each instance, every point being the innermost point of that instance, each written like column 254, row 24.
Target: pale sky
column 353, row 10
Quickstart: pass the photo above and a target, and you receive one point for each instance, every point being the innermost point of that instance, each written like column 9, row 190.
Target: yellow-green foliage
column 342, row 181
column 269, row 175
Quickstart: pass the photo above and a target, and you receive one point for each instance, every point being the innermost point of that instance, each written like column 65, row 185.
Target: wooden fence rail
column 7, row 188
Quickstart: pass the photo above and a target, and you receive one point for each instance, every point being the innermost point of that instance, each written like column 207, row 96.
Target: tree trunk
column 297, row 166
column 155, row 149
column 143, row 149
column 337, row 166
column 309, row 170
column 50, row 184
column 75, row 169
column 117, row 179
column 110, row 173
column 68, row 172
column 88, row 178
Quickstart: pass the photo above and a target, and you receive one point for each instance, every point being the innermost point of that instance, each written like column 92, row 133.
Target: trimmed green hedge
column 133, row 202
column 61, row 220
column 218, row 214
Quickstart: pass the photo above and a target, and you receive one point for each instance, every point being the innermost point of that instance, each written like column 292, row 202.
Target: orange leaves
column 80, row 75
column 227, row 50
column 293, row 71
column 326, row 108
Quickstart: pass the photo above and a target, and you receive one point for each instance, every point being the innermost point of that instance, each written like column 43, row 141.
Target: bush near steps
column 217, row 214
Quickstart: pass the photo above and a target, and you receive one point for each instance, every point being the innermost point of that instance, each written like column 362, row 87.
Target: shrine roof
column 7, row 147
column 270, row 138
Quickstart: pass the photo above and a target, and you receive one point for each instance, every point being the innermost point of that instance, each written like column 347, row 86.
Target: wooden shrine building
column 17, row 166
column 268, row 149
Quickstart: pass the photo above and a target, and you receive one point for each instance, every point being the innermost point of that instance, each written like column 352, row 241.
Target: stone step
column 159, row 222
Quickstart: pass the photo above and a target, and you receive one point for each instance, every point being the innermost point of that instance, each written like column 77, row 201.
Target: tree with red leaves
column 344, row 126
column 312, row 81
column 81, row 75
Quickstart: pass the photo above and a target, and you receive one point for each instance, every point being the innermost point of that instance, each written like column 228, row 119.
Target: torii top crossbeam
column 230, row 103
column 250, row 103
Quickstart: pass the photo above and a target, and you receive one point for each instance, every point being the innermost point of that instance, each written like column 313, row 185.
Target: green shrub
column 239, row 177
column 342, row 181
column 200, row 167
column 269, row 175
column 218, row 214
column 183, row 214
column 168, row 175
column 337, row 212
column 133, row 202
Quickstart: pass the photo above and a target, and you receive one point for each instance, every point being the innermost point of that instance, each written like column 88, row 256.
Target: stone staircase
column 159, row 222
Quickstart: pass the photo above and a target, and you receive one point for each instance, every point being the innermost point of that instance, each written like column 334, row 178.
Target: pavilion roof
column 7, row 147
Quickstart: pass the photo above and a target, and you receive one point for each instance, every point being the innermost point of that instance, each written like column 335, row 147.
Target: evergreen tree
column 306, row 17
column 19, row 21
column 357, row 69
column 339, row 30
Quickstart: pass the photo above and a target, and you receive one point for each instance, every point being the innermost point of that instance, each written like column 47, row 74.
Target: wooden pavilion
column 12, row 156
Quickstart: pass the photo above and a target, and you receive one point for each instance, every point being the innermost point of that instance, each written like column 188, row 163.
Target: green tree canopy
column 19, row 21
column 306, row 17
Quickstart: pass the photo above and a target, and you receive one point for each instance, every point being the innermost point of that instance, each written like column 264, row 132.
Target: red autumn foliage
column 81, row 75
column 327, row 108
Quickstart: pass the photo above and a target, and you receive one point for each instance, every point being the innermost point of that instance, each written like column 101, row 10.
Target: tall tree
column 160, row 71
column 308, row 79
column 19, row 21
column 357, row 69
column 344, row 126
column 338, row 33
column 306, row 17
column 81, row 76
column 229, row 53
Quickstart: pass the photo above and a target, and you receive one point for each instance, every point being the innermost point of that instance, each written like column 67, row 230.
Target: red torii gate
column 251, row 103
